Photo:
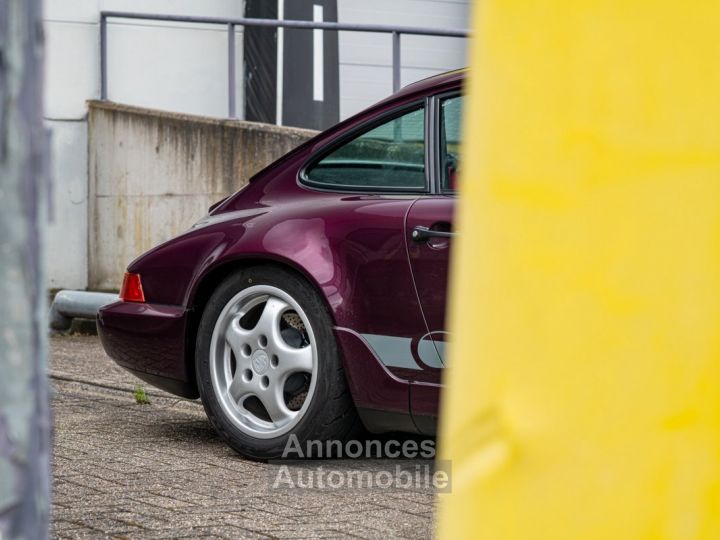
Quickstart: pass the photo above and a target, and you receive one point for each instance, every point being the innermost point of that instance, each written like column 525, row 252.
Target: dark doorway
column 260, row 54
column 310, row 76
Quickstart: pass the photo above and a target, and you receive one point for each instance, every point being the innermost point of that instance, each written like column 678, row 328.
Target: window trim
column 437, row 110
column 431, row 136
column 358, row 131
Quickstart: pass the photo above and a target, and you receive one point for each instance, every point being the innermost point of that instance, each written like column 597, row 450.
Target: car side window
column 450, row 132
column 389, row 156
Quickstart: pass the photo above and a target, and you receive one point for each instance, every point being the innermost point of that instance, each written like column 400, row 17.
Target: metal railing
column 395, row 31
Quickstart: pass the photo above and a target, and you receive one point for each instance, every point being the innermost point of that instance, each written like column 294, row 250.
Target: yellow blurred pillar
column 584, row 387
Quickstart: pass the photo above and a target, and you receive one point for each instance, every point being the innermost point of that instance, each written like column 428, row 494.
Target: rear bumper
column 149, row 341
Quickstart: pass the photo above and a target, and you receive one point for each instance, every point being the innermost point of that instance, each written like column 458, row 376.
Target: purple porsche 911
column 313, row 298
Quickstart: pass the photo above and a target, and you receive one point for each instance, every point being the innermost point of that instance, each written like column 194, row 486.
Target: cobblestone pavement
column 125, row 470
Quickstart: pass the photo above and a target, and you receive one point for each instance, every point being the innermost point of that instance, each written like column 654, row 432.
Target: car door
column 429, row 237
column 383, row 165
column 430, row 224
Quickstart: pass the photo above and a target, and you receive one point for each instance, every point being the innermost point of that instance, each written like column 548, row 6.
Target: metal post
column 232, row 113
column 396, row 60
column 25, row 437
column 103, row 57
column 280, row 65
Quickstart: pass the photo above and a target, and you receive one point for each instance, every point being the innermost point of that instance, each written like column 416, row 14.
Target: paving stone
column 162, row 502
column 123, row 470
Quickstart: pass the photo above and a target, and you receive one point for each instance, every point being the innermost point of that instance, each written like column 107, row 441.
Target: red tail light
column 132, row 290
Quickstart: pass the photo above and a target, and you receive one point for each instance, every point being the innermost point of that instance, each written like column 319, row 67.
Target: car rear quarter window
column 388, row 156
column 450, row 132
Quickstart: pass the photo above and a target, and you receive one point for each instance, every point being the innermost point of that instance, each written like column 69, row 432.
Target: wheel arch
column 209, row 281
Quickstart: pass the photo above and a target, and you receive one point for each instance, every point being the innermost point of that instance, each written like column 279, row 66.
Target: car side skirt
column 381, row 398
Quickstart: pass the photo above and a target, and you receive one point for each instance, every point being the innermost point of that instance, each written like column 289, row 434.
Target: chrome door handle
column 423, row 234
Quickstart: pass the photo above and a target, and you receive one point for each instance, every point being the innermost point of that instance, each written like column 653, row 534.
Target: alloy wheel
column 263, row 361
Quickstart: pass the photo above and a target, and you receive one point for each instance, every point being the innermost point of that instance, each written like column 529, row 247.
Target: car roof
column 430, row 83
column 423, row 86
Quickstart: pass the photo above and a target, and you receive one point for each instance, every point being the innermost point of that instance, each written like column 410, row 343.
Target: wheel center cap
column 260, row 362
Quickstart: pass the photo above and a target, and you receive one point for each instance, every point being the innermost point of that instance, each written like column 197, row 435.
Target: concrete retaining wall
column 153, row 174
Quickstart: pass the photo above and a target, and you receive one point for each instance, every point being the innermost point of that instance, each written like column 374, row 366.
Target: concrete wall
column 169, row 66
column 153, row 174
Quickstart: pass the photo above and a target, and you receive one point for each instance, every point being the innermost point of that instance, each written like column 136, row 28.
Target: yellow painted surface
column 584, row 388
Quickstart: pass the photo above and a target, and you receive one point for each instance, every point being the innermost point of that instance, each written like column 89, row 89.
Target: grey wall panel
column 365, row 59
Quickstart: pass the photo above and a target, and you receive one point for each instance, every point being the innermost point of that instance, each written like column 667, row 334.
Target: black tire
column 331, row 414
